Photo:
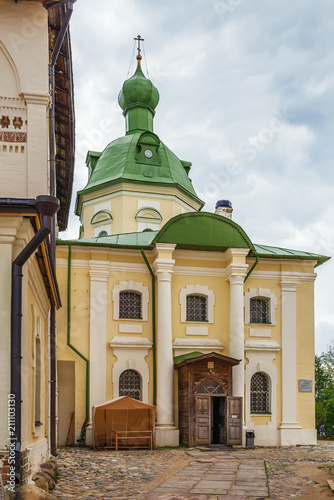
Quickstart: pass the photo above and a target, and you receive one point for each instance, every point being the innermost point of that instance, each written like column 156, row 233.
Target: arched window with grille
column 260, row 310
column 130, row 384
column 260, row 393
column 197, row 307
column 130, row 305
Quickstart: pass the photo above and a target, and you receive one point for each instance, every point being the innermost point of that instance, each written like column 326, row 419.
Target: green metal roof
column 203, row 230
column 126, row 240
column 197, row 231
column 193, row 355
column 284, row 253
column 184, row 357
column 124, row 160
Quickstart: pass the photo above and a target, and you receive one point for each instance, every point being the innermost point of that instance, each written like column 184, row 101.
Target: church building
column 178, row 307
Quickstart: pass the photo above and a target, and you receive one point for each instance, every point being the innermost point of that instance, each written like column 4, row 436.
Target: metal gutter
column 47, row 206
column 69, row 266
column 153, row 329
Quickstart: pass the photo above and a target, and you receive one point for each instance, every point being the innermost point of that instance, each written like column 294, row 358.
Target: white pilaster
column 37, row 146
column 99, row 273
column 289, row 426
column 236, row 273
column 236, row 343
column 166, row 433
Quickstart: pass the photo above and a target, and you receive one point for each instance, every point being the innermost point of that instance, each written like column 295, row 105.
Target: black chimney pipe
column 47, row 207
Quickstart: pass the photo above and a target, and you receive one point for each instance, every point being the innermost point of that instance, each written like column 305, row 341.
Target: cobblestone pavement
column 196, row 474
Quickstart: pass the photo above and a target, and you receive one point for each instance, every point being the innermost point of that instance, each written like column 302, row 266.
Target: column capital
column 236, row 279
column 35, row 98
column 236, row 252
column 289, row 286
column 164, row 248
column 98, row 270
column 163, row 265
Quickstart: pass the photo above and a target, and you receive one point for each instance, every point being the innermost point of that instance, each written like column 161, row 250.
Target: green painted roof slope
column 120, row 161
column 264, row 251
column 203, row 230
column 197, row 231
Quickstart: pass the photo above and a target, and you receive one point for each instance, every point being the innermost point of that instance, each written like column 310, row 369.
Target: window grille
column 196, row 308
column 259, row 310
column 260, row 393
column 130, row 305
column 130, row 384
column 210, row 387
column 102, row 233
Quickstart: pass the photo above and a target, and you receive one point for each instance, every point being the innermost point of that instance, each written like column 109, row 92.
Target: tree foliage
column 324, row 389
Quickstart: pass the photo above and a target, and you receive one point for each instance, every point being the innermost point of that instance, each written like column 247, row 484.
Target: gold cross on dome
column 139, row 57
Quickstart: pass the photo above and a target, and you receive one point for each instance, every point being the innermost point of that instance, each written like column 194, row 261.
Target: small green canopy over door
column 203, row 230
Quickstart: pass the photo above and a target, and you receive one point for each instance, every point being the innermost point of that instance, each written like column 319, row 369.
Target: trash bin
column 250, row 435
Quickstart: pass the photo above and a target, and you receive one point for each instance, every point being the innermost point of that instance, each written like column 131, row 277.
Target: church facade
column 177, row 307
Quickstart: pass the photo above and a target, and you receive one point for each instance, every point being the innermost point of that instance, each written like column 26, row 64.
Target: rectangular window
column 260, row 310
column 130, row 305
column 196, row 308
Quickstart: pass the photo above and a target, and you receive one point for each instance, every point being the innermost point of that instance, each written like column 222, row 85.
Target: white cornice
column 134, row 342
column 283, row 275
column 261, row 345
column 131, row 189
column 201, row 344
column 127, row 267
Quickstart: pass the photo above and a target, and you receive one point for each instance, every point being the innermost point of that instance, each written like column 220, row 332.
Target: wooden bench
column 128, row 435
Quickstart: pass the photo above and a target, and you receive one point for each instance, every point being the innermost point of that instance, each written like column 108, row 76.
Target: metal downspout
column 69, row 266
column 252, row 268
column 47, row 207
column 52, row 145
column 153, row 329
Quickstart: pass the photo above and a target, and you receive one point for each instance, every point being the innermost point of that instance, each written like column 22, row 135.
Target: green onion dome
column 138, row 91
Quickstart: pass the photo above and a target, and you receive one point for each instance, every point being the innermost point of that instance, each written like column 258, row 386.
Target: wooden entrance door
column 234, row 420
column 202, row 420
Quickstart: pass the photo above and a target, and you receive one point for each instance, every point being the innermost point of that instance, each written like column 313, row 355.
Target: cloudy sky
column 246, row 94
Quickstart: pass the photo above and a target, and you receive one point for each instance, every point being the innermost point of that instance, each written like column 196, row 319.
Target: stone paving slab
column 219, row 478
column 142, row 475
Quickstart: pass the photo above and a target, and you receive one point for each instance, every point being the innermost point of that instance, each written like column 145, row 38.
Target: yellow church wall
column 113, row 325
column 79, row 332
column 260, row 419
column 219, row 329
column 305, row 353
column 198, row 263
column 37, row 323
column 275, row 287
